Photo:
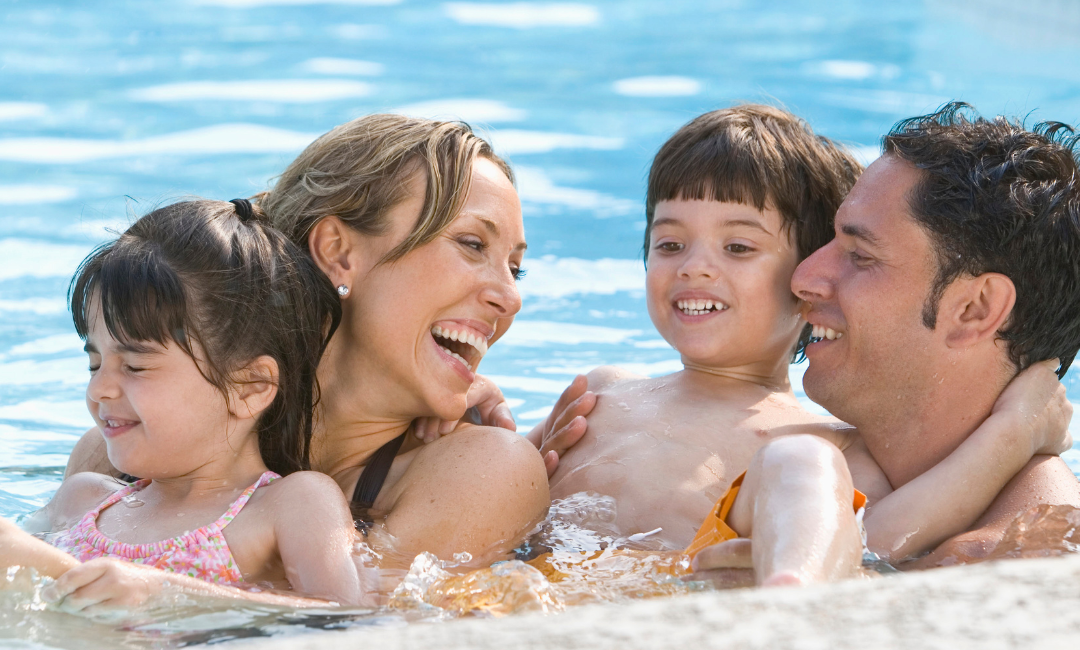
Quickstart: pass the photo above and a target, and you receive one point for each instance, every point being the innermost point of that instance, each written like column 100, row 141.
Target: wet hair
column 761, row 156
column 996, row 197
column 360, row 170
column 217, row 276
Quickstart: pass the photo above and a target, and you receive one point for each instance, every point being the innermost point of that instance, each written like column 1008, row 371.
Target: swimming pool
column 106, row 110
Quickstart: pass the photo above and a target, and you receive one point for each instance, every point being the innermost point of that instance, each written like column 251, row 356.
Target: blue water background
column 108, row 108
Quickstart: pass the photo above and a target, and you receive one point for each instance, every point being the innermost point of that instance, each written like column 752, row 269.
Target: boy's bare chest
column 665, row 461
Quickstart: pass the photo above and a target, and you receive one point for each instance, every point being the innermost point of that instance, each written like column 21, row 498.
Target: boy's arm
column 1030, row 417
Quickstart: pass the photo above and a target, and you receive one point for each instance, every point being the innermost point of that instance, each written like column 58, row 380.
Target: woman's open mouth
column 462, row 345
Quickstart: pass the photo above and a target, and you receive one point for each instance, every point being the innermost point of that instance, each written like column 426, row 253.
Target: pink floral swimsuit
column 201, row 553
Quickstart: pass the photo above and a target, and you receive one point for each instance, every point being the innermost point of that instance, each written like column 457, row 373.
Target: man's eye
column 859, row 260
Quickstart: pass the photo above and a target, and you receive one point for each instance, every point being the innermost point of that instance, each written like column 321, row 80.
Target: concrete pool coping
column 1008, row 604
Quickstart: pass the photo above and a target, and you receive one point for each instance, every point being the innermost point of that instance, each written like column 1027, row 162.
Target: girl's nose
column 102, row 386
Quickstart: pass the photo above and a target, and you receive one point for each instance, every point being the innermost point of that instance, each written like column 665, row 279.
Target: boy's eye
column 134, row 369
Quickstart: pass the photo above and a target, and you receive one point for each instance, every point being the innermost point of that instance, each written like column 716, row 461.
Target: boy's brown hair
column 761, row 156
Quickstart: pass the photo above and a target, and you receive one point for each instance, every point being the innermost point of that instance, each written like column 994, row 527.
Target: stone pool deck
column 1009, row 604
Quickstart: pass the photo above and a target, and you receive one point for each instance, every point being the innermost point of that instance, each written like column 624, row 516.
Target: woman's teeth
column 476, row 341
column 699, row 307
column 821, row 332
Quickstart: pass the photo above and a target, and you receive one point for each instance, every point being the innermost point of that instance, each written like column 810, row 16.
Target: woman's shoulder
column 79, row 494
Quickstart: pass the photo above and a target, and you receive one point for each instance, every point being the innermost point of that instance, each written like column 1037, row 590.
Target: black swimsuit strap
column 371, row 482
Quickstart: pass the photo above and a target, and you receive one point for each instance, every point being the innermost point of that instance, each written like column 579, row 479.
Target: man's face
column 869, row 286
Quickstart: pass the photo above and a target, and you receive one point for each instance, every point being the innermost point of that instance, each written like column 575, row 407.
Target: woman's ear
column 256, row 387
column 977, row 308
column 331, row 246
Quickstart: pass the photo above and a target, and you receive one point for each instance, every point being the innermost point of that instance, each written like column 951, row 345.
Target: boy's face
column 719, row 285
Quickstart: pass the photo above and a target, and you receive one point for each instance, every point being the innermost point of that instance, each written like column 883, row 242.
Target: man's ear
column 256, row 387
column 975, row 309
column 331, row 247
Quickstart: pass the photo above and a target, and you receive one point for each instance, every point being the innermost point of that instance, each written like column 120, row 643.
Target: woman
column 418, row 226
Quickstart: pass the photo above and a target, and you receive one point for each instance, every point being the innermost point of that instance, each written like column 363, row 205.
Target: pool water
column 112, row 107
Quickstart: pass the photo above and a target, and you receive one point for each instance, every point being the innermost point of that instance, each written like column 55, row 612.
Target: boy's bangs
column 140, row 296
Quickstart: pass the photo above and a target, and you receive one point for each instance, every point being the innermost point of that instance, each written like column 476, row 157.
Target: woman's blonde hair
column 358, row 171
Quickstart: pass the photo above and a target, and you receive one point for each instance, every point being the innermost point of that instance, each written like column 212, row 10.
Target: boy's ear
column 974, row 309
column 256, row 387
column 331, row 246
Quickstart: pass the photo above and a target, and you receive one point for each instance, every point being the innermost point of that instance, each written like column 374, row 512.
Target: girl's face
column 159, row 416
column 719, row 285
column 421, row 324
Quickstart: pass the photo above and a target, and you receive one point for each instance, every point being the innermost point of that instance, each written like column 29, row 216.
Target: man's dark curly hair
column 997, row 197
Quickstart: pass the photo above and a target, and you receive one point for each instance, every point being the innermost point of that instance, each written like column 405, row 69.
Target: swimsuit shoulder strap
column 371, row 482
column 241, row 501
column 116, row 496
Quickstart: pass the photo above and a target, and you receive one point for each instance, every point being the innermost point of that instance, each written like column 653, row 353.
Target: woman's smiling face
column 422, row 323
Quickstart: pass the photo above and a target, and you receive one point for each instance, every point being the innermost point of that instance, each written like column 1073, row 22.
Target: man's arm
column 1044, row 480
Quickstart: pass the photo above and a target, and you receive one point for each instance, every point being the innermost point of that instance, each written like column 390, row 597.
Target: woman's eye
column 518, row 273
column 473, row 243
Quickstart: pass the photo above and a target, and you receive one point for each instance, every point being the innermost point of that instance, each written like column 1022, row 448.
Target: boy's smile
column 718, row 283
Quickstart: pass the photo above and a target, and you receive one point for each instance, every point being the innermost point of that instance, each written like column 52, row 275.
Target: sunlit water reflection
column 108, row 108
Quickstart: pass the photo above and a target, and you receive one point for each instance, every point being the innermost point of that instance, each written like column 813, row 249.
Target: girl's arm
column 19, row 548
column 316, row 540
column 1030, row 417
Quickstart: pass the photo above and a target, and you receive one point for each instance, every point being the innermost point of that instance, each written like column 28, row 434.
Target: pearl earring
column 342, row 290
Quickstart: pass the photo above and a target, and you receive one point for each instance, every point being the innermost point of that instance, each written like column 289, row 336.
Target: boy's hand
column 1038, row 404
column 565, row 425
column 485, row 401
column 103, row 584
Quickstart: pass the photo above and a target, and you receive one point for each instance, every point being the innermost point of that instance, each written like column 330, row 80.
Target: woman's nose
column 814, row 278
column 501, row 292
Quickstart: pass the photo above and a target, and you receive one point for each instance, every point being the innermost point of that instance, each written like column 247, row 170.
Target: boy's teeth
column 697, row 307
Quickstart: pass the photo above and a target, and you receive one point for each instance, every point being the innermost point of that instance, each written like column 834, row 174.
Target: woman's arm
column 1030, row 417
column 478, row 491
column 90, row 455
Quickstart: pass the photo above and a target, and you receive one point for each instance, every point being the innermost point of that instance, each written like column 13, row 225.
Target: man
column 956, row 264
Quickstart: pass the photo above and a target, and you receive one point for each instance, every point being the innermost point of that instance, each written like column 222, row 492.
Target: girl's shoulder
column 300, row 495
column 79, row 494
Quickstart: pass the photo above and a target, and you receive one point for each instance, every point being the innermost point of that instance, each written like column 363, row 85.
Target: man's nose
column 813, row 279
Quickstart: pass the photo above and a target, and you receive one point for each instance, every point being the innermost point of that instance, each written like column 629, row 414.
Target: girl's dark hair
column 217, row 275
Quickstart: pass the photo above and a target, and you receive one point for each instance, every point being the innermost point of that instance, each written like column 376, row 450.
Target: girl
column 204, row 328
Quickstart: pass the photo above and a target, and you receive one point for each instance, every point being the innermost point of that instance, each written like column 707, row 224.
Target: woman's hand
column 104, row 584
column 565, row 425
column 486, row 402
column 1039, row 407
